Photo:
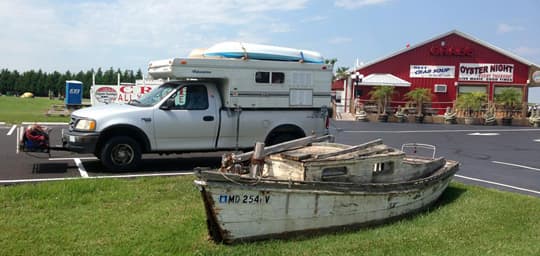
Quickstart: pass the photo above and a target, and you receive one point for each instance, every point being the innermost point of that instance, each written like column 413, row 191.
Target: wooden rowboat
column 318, row 187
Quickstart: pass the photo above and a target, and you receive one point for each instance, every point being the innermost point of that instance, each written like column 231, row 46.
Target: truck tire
column 282, row 137
column 121, row 153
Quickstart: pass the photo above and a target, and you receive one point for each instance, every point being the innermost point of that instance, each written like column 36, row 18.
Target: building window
column 498, row 89
column 472, row 88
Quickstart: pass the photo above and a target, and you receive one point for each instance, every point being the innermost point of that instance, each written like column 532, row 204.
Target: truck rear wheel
column 121, row 153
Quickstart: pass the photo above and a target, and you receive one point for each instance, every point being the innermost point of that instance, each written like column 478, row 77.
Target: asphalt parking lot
column 504, row 158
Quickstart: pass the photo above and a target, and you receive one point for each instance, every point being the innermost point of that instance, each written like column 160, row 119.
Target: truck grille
column 72, row 123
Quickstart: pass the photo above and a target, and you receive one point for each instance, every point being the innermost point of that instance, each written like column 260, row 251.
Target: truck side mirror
column 167, row 105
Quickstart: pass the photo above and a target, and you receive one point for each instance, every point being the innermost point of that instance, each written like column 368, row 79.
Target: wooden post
column 257, row 161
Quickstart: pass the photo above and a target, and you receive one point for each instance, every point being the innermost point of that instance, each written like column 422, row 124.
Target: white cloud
column 506, row 28
column 355, row 4
column 51, row 33
column 340, row 40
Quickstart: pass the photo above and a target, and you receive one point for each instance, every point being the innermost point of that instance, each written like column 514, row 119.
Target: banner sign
column 426, row 71
column 486, row 72
column 123, row 93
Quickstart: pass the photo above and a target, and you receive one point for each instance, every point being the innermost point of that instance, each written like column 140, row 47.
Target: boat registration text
column 244, row 199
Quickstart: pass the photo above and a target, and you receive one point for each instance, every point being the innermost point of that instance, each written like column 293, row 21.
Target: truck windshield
column 155, row 96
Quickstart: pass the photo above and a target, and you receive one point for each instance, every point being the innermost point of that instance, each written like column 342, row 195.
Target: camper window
column 262, row 77
column 278, row 77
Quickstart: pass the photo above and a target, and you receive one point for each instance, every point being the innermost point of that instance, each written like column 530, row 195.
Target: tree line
column 42, row 83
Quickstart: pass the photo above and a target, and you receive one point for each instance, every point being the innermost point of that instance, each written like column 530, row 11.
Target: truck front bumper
column 80, row 142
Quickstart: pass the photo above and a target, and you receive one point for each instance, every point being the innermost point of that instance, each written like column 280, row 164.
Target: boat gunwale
column 217, row 177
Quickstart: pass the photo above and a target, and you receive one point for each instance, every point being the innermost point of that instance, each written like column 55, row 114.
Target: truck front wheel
column 121, row 153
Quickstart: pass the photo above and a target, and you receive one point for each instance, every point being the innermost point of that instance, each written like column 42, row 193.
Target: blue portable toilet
column 74, row 90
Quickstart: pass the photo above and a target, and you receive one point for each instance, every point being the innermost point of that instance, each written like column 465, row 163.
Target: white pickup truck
column 206, row 105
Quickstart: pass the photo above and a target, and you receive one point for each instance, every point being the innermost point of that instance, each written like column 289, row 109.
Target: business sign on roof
column 426, row 71
column 484, row 72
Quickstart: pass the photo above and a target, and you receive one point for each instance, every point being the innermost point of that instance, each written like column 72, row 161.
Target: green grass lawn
column 14, row 110
column 165, row 216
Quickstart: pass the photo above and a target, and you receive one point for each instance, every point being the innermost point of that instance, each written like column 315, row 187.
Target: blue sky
column 79, row 35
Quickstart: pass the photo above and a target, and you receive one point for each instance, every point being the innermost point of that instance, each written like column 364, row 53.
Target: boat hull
column 242, row 209
column 262, row 52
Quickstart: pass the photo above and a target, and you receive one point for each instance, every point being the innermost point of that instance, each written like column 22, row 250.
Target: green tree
column 419, row 96
column 139, row 74
column 342, row 73
column 382, row 95
column 471, row 103
column 330, row 61
column 510, row 99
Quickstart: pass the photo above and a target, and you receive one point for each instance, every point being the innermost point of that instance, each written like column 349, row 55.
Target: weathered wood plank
column 351, row 149
column 284, row 146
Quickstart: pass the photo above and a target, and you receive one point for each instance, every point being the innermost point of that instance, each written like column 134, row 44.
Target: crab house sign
column 486, row 72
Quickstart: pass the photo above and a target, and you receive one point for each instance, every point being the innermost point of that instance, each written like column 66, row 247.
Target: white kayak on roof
column 262, row 52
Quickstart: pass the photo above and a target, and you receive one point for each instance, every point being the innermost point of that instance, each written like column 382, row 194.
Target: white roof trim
column 384, row 80
column 478, row 41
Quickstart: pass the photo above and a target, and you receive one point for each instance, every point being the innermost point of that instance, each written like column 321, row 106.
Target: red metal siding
column 399, row 66
column 338, row 85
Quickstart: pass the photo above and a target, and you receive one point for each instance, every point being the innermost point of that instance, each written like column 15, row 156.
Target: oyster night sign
column 486, row 72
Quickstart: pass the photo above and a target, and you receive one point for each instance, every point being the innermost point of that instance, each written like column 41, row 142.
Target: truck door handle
column 208, row 118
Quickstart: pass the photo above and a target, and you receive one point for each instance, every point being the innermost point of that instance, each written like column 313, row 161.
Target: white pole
column 18, row 139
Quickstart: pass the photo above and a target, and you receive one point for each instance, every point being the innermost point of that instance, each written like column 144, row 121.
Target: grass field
column 14, row 110
column 165, row 216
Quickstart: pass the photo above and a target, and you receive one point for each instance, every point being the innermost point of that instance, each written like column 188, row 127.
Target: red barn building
column 448, row 65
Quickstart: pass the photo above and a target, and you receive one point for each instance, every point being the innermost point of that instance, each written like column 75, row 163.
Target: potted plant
column 382, row 96
column 419, row 96
column 509, row 99
column 470, row 104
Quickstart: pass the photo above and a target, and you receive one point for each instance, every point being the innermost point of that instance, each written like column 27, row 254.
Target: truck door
column 189, row 120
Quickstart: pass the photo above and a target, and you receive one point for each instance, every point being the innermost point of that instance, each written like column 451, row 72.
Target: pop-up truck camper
column 224, row 98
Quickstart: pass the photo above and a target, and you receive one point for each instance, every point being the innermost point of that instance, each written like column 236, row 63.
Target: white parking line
column 499, row 184
column 517, row 165
column 98, row 177
column 448, row 131
column 81, row 168
column 484, row 134
column 11, row 130
column 72, row 158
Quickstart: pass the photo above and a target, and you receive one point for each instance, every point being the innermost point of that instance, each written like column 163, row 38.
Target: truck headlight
column 85, row 125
